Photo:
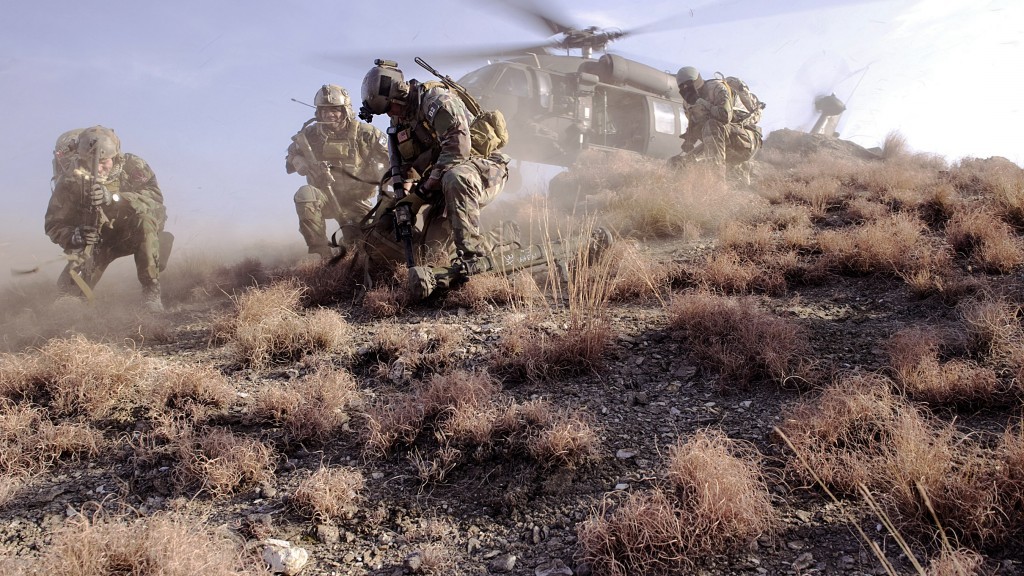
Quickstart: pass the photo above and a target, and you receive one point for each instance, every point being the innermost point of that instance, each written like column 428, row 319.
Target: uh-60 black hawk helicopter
column 558, row 105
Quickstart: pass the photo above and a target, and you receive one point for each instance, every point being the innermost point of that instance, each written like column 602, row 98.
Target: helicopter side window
column 544, row 89
column 513, row 81
column 477, row 80
column 664, row 117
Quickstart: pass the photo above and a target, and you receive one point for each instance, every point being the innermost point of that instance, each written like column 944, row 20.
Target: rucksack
column 750, row 114
column 488, row 132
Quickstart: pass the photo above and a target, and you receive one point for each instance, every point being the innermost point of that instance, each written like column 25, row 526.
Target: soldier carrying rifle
column 108, row 206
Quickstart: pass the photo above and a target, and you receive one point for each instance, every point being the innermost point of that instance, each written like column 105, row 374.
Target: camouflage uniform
column 356, row 153
column 133, row 224
column 434, row 140
column 711, row 119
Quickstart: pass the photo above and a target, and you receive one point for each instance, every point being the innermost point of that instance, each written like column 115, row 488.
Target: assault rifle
column 82, row 260
column 471, row 104
column 307, row 152
column 403, row 212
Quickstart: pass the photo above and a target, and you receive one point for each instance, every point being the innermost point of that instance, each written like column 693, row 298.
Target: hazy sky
column 202, row 89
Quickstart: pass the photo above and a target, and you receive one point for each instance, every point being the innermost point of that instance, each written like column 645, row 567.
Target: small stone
column 584, row 569
column 623, row 454
column 795, row 544
column 745, row 404
column 490, row 554
column 804, row 516
column 283, row 558
column 414, row 562
column 552, row 568
column 268, row 491
column 377, row 475
column 472, row 545
column 803, row 561
column 328, row 534
column 503, row 563
column 622, row 486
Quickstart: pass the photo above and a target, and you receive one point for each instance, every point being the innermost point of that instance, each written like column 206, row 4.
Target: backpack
column 748, row 113
column 488, row 132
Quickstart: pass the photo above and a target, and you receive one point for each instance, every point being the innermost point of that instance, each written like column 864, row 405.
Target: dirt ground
column 515, row 516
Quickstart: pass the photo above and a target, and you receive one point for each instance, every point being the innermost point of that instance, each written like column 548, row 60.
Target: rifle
column 82, row 261
column 307, row 152
column 403, row 214
column 471, row 104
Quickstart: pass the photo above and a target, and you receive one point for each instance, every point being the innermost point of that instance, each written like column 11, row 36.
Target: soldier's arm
column 63, row 214
column 451, row 124
column 720, row 102
column 140, row 190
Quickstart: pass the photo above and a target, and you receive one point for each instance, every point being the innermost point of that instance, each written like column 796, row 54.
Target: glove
column 99, row 195
column 414, row 201
column 84, row 236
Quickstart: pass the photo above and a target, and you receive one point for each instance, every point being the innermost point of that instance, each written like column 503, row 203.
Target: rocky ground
column 514, row 516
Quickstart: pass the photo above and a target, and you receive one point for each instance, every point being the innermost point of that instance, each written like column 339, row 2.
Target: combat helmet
column 64, row 152
column 690, row 82
column 330, row 95
column 98, row 142
column 382, row 85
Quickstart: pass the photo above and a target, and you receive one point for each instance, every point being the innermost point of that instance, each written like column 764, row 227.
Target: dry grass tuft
column 485, row 291
column 74, row 376
column 716, row 503
column 894, row 147
column 314, row 408
column 959, row 562
column 985, row 241
column 742, row 343
column 191, row 388
column 405, row 352
column 914, row 354
column 893, row 245
column 159, row 545
column 571, row 439
column 385, row 301
column 30, row 443
column 215, row 460
column 268, row 326
column 329, row 494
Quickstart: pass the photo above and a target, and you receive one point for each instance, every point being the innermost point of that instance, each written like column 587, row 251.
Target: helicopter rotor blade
column 553, row 23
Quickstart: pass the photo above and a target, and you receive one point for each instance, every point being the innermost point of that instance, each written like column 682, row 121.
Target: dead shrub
column 74, row 376
column 483, row 291
column 994, row 178
column 191, row 388
column 715, row 503
column 385, row 301
column 221, row 462
column 821, row 194
column 539, row 351
column 324, row 283
column 858, row 433
column 894, row 147
column 329, row 494
column 719, row 482
column 268, row 326
column 30, row 443
column 893, row 245
column 635, row 273
column 993, row 330
column 159, row 544
column 730, row 273
column 566, row 442
column 415, row 352
column 314, row 408
column 986, row 241
column 958, row 562
column 742, row 343
column 914, row 354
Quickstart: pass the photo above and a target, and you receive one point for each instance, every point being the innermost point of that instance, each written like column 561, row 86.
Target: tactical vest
column 339, row 150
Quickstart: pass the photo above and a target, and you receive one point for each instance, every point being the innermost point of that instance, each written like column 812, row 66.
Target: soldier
column 434, row 157
column 722, row 114
column 342, row 160
column 108, row 206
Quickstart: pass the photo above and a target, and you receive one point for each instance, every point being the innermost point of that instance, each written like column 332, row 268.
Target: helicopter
column 558, row 105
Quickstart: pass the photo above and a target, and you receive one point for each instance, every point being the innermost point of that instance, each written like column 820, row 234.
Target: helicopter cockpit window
column 477, row 80
column 513, row 81
column 544, row 89
column 664, row 117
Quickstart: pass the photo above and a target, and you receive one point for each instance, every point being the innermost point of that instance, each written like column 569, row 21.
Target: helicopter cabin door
column 620, row 119
column 667, row 122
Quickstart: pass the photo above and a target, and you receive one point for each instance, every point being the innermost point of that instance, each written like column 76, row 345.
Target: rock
column 795, row 544
column 503, row 563
column 283, row 558
column 328, row 534
column 553, row 568
column 623, row 454
column 397, row 371
column 414, row 562
column 268, row 491
column 584, row 569
column 745, row 404
column 622, row 486
column 472, row 545
column 803, row 561
column 804, row 516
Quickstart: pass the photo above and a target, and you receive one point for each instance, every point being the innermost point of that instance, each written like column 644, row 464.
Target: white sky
column 201, row 89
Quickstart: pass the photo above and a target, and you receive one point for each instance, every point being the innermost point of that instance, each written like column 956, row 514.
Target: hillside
column 745, row 379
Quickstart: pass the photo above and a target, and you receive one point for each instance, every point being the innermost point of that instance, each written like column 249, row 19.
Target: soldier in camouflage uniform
column 342, row 160
column 717, row 118
column 108, row 206
column 432, row 150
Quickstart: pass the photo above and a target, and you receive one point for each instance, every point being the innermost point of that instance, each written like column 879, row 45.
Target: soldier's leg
column 715, row 136
column 744, row 144
column 469, row 187
column 309, row 205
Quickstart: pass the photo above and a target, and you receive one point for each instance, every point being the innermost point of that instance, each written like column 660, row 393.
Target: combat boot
column 151, row 297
